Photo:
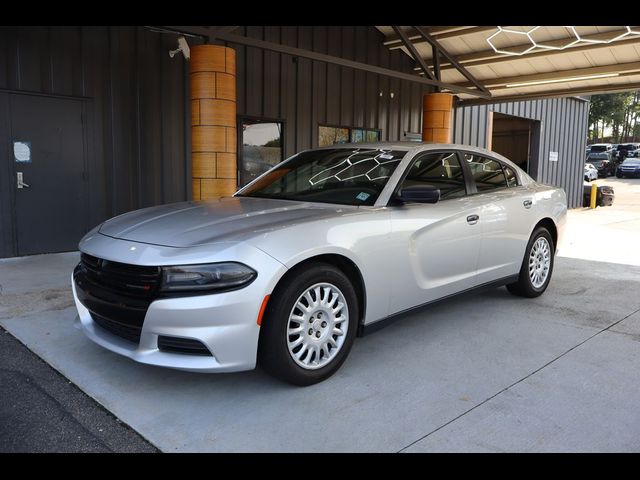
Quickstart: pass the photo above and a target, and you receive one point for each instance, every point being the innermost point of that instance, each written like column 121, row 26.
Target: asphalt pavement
column 42, row 411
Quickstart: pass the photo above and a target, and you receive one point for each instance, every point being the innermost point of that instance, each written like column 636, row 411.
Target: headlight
column 214, row 276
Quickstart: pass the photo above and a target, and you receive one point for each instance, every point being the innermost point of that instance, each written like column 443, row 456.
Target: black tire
column 619, row 176
column 273, row 349
column 524, row 287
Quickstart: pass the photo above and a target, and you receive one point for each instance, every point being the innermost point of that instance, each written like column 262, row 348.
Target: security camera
column 183, row 47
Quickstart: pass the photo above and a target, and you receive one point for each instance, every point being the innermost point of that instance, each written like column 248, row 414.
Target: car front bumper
column 629, row 173
column 225, row 323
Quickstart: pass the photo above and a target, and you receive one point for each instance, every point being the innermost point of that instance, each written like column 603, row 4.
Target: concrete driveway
column 489, row 372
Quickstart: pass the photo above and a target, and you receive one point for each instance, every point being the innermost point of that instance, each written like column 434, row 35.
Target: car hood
column 189, row 224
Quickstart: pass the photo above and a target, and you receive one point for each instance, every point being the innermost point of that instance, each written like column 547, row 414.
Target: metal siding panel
column 319, row 92
column 13, row 58
column 172, row 109
column 394, row 103
column 458, row 132
column 288, row 91
column 359, row 77
column 385, row 88
column 333, row 76
column 254, row 73
column 416, row 109
column 544, row 142
column 466, row 129
column 65, row 44
column 7, row 236
column 346, row 79
column 33, row 59
column 4, row 58
column 271, row 84
column 372, row 87
column 304, row 90
column 150, row 125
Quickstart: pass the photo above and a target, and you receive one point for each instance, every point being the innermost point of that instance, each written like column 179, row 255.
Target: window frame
column 465, row 175
column 240, row 137
column 471, row 179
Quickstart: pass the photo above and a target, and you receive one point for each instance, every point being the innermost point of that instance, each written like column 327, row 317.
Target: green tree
column 620, row 111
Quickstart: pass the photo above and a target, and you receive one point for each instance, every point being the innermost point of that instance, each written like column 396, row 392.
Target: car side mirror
column 419, row 194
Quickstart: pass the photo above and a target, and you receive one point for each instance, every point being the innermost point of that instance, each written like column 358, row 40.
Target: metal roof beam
column 566, row 92
column 321, row 57
column 413, row 52
column 632, row 68
column 395, row 42
column 437, row 47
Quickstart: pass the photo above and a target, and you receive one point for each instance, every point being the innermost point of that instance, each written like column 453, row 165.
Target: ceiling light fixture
column 560, row 80
column 575, row 38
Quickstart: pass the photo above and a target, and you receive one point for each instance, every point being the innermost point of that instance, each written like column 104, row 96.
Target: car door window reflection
column 512, row 180
column 439, row 170
column 487, row 173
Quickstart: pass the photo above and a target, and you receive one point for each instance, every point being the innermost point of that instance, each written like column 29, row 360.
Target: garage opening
column 515, row 138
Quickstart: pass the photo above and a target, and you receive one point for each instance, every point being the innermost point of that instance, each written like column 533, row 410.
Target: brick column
column 437, row 117
column 212, row 74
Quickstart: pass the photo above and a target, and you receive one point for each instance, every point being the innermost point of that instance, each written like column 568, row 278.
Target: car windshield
column 347, row 176
column 598, row 148
column 629, row 146
column 631, row 161
column 596, row 163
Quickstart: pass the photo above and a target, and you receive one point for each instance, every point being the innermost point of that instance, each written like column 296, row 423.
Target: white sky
column 260, row 133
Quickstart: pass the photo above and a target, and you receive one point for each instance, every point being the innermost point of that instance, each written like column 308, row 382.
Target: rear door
column 506, row 215
column 435, row 246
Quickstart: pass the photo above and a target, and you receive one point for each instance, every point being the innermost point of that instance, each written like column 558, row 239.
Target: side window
column 440, row 170
column 487, row 173
column 512, row 180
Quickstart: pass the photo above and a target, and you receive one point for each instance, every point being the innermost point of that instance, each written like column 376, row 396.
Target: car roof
column 411, row 146
column 416, row 147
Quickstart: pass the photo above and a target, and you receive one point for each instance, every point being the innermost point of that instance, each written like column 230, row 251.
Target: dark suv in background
column 602, row 156
column 627, row 150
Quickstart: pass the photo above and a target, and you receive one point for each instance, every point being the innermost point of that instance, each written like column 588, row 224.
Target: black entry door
column 48, row 154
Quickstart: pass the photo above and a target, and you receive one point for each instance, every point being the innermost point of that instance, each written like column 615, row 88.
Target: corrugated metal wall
column 137, row 120
column 305, row 93
column 134, row 107
column 563, row 129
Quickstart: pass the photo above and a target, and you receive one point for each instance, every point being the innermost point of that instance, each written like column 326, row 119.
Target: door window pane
column 439, row 170
column 487, row 173
column 261, row 148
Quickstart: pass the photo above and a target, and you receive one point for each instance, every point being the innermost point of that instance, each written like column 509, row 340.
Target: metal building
column 97, row 121
column 545, row 137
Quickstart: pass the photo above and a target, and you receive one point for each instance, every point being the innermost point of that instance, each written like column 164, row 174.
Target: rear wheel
column 309, row 326
column 537, row 265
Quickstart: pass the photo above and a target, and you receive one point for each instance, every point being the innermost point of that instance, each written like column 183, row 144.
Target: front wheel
column 309, row 325
column 537, row 266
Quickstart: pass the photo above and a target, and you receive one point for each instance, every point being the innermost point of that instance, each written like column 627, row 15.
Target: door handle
column 473, row 219
column 20, row 179
column 527, row 203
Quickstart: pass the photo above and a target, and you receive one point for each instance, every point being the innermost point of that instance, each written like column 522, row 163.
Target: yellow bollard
column 594, row 195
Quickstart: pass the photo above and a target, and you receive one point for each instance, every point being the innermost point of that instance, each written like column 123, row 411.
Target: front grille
column 128, row 332
column 130, row 279
column 116, row 294
column 182, row 345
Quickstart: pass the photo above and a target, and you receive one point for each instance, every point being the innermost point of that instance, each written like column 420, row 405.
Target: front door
column 437, row 244
column 47, row 154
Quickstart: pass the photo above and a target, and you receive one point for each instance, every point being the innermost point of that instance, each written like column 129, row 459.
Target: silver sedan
column 328, row 245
